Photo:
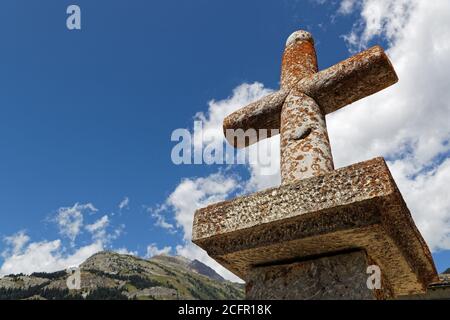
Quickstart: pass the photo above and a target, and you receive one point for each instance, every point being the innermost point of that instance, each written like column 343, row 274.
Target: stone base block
column 341, row 276
column 356, row 207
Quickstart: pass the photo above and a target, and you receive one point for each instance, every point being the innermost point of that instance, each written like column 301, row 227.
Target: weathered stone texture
column 299, row 59
column 257, row 116
column 354, row 207
column 305, row 147
column 341, row 276
column 350, row 80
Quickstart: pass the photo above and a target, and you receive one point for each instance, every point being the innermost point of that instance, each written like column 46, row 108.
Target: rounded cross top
column 299, row 35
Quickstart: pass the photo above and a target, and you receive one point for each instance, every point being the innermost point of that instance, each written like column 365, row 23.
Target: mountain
column 109, row 275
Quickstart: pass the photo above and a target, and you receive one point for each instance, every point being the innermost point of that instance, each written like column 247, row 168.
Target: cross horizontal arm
column 262, row 114
column 350, row 80
column 344, row 83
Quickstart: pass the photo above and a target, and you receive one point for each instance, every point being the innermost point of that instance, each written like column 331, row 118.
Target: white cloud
column 264, row 156
column 427, row 197
column 267, row 152
column 160, row 219
column 23, row 256
column 408, row 122
column 70, row 219
column 126, row 251
column 347, row 6
column 153, row 250
column 124, row 203
column 16, row 242
column 218, row 110
column 192, row 194
column 98, row 229
column 46, row 256
column 386, row 18
column 98, row 225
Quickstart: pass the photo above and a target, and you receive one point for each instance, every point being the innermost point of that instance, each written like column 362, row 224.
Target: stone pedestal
column 340, row 276
column 353, row 208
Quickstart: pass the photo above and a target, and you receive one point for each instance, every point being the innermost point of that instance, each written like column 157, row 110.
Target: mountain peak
column 203, row 269
column 194, row 266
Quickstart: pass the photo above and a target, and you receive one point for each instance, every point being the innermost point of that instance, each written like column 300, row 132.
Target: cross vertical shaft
column 305, row 146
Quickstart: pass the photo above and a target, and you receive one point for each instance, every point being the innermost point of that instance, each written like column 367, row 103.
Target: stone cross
column 316, row 238
column 298, row 109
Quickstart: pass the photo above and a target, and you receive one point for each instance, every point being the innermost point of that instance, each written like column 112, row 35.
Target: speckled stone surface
column 341, row 276
column 305, row 147
column 354, row 207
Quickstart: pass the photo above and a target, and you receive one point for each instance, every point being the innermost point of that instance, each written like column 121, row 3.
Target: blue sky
column 86, row 116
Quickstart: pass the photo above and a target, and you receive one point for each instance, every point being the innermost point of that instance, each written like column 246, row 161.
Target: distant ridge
column 109, row 275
